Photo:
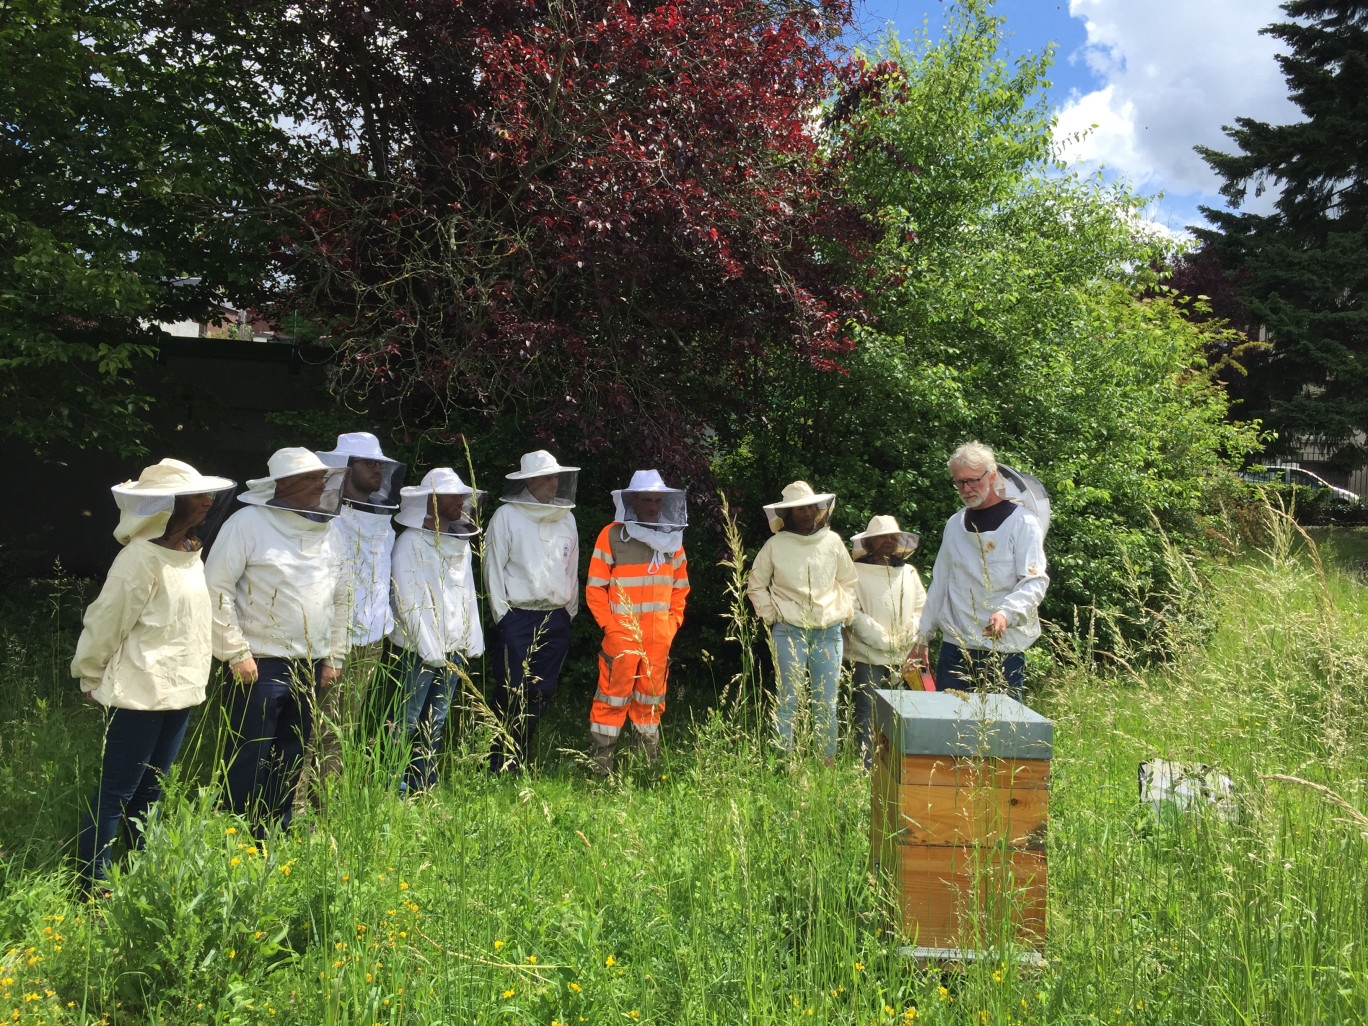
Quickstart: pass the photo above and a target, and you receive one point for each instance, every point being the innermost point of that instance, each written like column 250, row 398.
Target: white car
column 1298, row 476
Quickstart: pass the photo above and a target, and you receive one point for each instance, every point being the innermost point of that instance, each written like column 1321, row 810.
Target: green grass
column 728, row 884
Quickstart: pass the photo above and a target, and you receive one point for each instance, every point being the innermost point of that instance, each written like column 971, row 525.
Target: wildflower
column 942, row 993
column 575, row 987
column 285, row 870
column 610, row 962
column 634, row 1014
column 232, row 952
column 508, row 993
column 236, row 862
column 909, row 1015
column 997, row 977
column 403, row 886
column 498, row 944
column 532, row 959
column 888, row 1009
column 859, row 967
column 230, row 831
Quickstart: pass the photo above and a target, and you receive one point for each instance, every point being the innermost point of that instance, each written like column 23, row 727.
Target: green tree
column 1003, row 300
column 1302, row 270
column 137, row 137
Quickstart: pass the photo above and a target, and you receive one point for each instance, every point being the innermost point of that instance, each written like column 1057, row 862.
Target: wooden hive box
column 959, row 810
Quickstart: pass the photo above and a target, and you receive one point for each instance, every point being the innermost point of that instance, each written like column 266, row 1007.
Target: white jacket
column 436, row 610
column 977, row 575
column 146, row 637
column 277, row 588
column 888, row 605
column 531, row 559
column 806, row 580
column 365, row 540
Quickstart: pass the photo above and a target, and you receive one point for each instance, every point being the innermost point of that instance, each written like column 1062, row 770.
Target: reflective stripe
column 637, row 696
column 604, row 730
column 653, row 580
column 646, row 728
column 607, row 557
column 682, row 582
column 639, row 607
column 596, row 582
column 613, row 700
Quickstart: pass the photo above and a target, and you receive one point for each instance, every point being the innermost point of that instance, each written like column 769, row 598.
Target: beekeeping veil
column 795, row 495
column 663, row 531
column 286, row 485
column 147, row 504
column 418, row 502
column 375, row 480
column 1027, row 492
column 535, row 495
column 881, row 526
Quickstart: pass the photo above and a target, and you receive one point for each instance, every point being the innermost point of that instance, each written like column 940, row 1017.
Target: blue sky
column 1154, row 76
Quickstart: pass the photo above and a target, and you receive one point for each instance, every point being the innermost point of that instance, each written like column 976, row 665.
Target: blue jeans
column 269, row 723
column 978, row 669
column 139, row 748
column 427, row 699
column 868, row 679
column 531, row 648
column 808, row 656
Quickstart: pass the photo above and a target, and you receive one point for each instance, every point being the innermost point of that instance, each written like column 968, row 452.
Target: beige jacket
column 888, row 605
column 803, row 580
column 146, row 641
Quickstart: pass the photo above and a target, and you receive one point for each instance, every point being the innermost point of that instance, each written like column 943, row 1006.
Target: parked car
column 1288, row 475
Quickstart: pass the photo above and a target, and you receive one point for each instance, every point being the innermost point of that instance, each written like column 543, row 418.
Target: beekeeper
column 531, row 567
column 436, row 611
column 888, row 602
column 802, row 585
column 365, row 536
column 282, row 610
column 987, row 583
column 145, row 647
column 638, row 583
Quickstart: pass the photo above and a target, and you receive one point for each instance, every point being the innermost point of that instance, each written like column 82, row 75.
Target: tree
column 592, row 218
column 1005, row 305
column 137, row 139
column 1302, row 271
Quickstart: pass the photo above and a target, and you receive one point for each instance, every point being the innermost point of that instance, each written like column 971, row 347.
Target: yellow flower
column 888, row 1009
column 859, row 968
column 403, row 886
column 498, row 945
column 232, row 952
column 942, row 993
column 346, row 877
column 611, row 961
column 285, row 870
column 532, row 959
column 634, row 1014
column 230, row 831
column 575, row 987
column 236, row 862
column 909, row 1015
column 508, row 993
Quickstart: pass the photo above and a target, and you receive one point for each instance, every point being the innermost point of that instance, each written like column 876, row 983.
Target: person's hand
column 327, row 675
column 245, row 671
column 919, row 654
column 997, row 626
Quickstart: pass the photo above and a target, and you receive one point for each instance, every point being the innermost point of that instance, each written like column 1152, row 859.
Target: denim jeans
column 811, row 657
column 270, row 722
column 531, row 648
column 868, row 679
column 978, row 669
column 139, row 748
column 427, row 700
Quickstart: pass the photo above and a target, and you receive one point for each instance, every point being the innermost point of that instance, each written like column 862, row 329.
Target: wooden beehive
column 960, row 805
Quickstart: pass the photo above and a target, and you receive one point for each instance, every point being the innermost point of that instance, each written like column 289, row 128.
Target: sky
column 1155, row 77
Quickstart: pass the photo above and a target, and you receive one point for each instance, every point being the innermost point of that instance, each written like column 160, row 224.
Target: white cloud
column 1173, row 72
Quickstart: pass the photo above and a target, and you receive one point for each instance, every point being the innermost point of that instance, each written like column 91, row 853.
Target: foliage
column 1003, row 299
column 591, row 218
column 1301, row 272
column 137, row 136
column 730, row 883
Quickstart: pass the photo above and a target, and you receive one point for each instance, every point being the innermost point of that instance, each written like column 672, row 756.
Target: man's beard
column 976, row 503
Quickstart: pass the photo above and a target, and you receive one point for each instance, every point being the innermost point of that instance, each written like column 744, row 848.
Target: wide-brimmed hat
column 415, row 501
column 288, row 462
column 674, row 512
column 881, row 525
column 648, row 481
column 538, row 464
column 354, row 445
column 795, row 494
column 146, row 504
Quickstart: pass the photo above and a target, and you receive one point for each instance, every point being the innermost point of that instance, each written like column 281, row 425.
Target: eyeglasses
column 961, row 483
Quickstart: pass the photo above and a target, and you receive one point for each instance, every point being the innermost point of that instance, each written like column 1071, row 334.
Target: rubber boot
column 601, row 754
column 647, row 745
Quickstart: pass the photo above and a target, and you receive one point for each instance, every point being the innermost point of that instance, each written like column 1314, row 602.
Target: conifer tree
column 1301, row 271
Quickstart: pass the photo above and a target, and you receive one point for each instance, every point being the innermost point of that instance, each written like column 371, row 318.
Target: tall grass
column 709, row 889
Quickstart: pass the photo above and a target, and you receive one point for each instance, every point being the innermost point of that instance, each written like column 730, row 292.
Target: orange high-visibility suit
column 637, row 596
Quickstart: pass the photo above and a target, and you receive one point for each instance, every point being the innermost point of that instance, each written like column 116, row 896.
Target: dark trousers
column 139, row 748
column 427, row 700
column 530, row 650
column 977, row 669
column 868, row 679
column 270, row 722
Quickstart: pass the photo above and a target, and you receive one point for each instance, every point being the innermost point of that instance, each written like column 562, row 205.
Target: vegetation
column 729, row 883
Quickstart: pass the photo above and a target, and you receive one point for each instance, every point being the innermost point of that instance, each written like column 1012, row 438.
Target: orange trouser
column 632, row 675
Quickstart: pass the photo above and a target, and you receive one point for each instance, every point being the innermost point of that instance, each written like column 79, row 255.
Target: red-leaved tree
column 603, row 216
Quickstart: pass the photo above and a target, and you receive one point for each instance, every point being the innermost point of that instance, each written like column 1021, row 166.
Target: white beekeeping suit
column 436, row 609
